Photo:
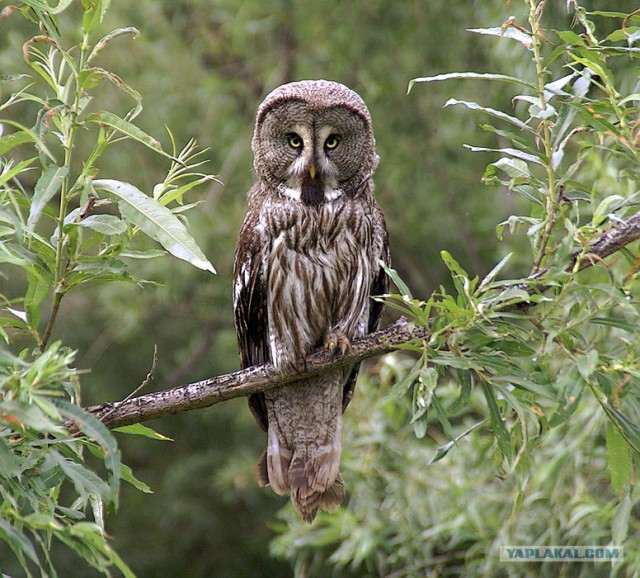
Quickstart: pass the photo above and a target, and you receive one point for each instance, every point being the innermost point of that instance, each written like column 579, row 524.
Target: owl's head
column 313, row 142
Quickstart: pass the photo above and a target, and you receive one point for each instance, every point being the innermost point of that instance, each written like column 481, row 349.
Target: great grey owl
column 306, row 265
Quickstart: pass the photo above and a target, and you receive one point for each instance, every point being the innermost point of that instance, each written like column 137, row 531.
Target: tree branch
column 214, row 390
column 247, row 381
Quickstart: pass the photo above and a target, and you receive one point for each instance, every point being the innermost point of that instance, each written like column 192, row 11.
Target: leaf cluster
column 536, row 360
column 62, row 228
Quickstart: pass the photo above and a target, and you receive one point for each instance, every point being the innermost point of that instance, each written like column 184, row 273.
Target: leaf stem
column 551, row 204
column 70, row 128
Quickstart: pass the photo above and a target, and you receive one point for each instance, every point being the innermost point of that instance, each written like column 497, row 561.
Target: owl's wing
column 250, row 304
column 379, row 286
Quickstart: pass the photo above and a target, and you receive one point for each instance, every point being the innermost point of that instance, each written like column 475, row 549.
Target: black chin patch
column 312, row 192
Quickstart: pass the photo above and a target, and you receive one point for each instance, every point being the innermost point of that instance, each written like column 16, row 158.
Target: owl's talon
column 337, row 344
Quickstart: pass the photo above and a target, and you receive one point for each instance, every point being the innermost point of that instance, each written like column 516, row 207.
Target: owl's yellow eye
column 332, row 141
column 295, row 140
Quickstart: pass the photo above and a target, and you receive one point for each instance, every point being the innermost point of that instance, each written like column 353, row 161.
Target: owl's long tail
column 303, row 455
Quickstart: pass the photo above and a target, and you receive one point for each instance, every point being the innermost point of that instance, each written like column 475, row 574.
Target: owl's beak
column 312, row 172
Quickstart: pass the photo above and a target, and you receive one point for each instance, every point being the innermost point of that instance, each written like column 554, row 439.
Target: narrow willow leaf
column 9, row 173
column 444, row 449
column 37, row 290
column 18, row 542
column 507, row 32
column 442, row 416
column 618, row 459
column 587, row 364
column 399, row 283
column 105, row 224
column 491, row 275
column 508, row 151
column 84, row 480
column 402, row 386
column 128, row 129
column 515, row 168
column 570, row 37
column 500, row 431
column 12, row 140
column 62, row 5
column 46, row 188
column 156, row 221
column 150, row 254
column 93, row 14
column 620, row 525
column 104, row 41
column 614, row 322
column 474, row 76
column 628, row 428
column 142, row 430
column 555, row 88
column 98, row 432
column 127, row 476
column 492, row 111
column 9, row 463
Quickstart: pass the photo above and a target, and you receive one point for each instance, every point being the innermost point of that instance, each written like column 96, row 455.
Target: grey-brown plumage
column 307, row 262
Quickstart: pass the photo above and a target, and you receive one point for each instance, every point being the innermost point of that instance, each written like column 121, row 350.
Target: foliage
column 546, row 372
column 203, row 66
column 63, row 229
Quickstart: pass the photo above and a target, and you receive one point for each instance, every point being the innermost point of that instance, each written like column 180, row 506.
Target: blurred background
column 203, row 66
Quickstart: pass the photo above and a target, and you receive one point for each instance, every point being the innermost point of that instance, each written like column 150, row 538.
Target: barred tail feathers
column 310, row 474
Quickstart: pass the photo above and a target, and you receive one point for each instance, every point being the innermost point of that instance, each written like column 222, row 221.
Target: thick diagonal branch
column 262, row 377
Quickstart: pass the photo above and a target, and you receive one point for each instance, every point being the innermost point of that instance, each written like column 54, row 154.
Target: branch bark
column 215, row 390
column 247, row 381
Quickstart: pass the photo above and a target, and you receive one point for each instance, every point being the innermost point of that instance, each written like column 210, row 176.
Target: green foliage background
column 202, row 67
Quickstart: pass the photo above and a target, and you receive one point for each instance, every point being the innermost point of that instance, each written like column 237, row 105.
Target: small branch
column 55, row 308
column 214, row 390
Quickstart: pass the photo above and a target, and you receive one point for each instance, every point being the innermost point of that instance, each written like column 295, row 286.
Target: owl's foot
column 337, row 344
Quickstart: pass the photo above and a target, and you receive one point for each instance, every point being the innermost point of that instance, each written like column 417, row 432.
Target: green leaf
column 628, row 429
column 443, row 450
column 569, row 37
column 9, row 463
column 142, row 430
column 492, row 111
column 500, row 431
column 620, row 526
column 105, row 224
column 615, row 322
column 399, row 283
column 150, row 254
column 587, row 364
column 38, row 288
column 12, row 140
column 515, row 168
column 473, row 76
column 46, row 188
column 506, row 32
column 98, row 432
column 94, row 12
column 18, row 542
column 491, row 275
column 127, row 476
column 128, row 129
column 84, row 480
column 7, row 175
column 156, row 221
column 401, row 387
column 527, row 157
column 618, row 459
column 105, row 40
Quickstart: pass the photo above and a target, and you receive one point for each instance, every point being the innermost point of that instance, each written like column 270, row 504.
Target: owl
column 307, row 262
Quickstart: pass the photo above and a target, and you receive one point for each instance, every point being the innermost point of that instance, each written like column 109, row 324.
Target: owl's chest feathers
column 319, row 274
